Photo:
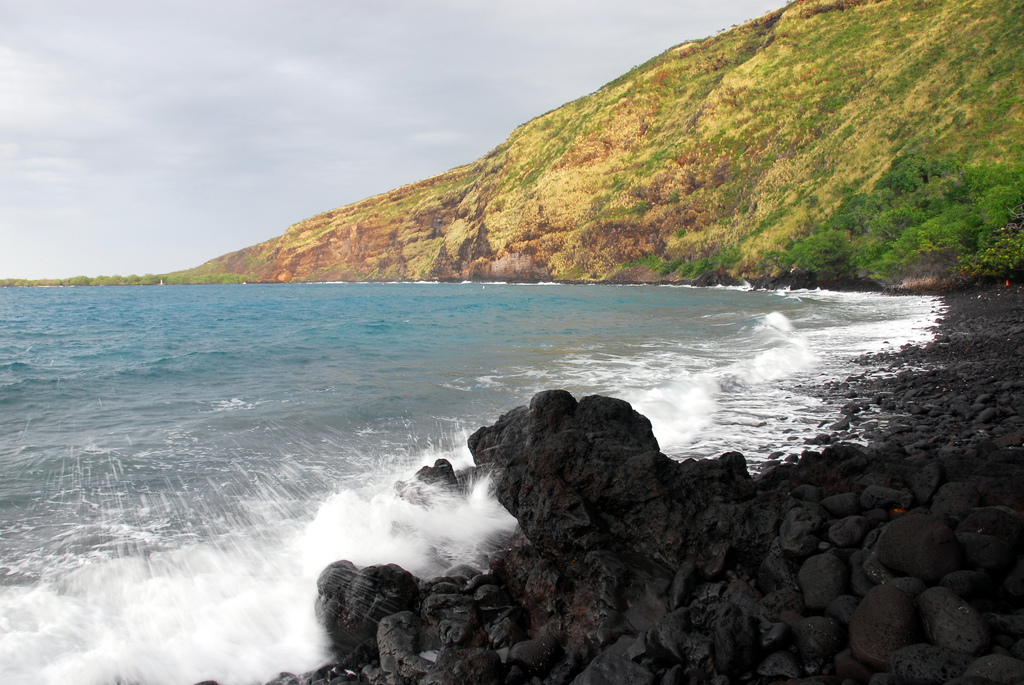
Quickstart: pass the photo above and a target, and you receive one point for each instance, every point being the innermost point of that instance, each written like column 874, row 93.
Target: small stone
column 876, row 571
column 884, row 621
column 985, row 552
column 909, row 584
column 774, row 604
column 818, row 639
column 807, row 493
column 822, row 578
column 997, row 668
column 885, row 679
column 849, row 670
column 880, row 497
column 736, row 639
column 949, row 621
column 537, row 656
column 797, row 533
column 926, row 482
column 665, row 640
column 968, row 583
column 987, row 416
column 1013, row 584
column 849, row 531
column 683, row 584
column 609, row 669
column 860, row 584
column 954, row 502
column 842, row 505
column 1009, row 624
column 774, row 636
column 1001, row 522
column 466, row 667
column 919, row 545
column 781, row 664
column 923, row 663
column 841, row 609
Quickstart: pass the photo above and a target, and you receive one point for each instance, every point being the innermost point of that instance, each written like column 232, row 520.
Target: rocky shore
column 891, row 552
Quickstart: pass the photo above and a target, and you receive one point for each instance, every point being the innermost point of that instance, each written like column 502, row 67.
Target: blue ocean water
column 178, row 463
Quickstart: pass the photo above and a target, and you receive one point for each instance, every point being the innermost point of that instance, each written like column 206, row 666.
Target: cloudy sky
column 147, row 136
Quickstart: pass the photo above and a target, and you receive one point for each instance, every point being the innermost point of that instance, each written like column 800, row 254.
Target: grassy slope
column 732, row 145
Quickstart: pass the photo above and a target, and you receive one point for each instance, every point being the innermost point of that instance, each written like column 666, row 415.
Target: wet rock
column 1013, row 584
column 954, row 502
column 798, row 532
column 924, row 663
column 608, row 669
column 683, row 584
column 743, row 596
column 350, row 602
column 841, row 609
column 880, row 497
column 773, row 605
column 884, row 621
column 451, row 621
column 807, row 493
column 849, row 670
column 1001, row 522
column 926, row 482
column 842, row 505
column 504, row 633
column 860, row 583
column 466, row 667
column 919, row 545
column 780, row 664
column 736, row 639
column 818, row 639
column 398, row 644
column 774, row 636
column 909, row 584
column 968, row 583
column 776, row 573
column 279, row 679
column 822, row 578
column 848, row 532
column 949, row 621
column 666, row 640
column 536, row 657
column 875, row 570
column 566, row 669
column 1007, row 624
column 997, row 668
column 441, row 474
column 985, row 552
column 587, row 475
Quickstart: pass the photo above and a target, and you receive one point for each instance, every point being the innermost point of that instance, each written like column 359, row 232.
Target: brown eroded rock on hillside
column 717, row 153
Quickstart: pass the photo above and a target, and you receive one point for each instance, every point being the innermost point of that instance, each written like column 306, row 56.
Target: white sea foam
column 238, row 615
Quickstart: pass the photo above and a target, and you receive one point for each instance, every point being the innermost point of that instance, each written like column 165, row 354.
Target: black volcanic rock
column 587, row 475
column 351, row 602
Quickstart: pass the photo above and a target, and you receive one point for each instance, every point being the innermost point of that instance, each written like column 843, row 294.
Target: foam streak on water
column 178, row 464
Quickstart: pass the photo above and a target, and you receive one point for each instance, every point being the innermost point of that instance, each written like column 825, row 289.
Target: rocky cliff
column 717, row 153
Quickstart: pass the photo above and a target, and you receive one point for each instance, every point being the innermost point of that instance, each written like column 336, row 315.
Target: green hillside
column 882, row 136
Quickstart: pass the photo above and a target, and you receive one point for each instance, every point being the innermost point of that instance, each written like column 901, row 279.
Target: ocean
column 178, row 463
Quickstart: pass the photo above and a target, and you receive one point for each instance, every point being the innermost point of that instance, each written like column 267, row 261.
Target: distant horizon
column 149, row 140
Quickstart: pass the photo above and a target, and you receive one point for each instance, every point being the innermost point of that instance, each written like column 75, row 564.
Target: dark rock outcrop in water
column 897, row 562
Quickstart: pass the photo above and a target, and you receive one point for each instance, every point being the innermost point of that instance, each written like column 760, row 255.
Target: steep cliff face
column 733, row 145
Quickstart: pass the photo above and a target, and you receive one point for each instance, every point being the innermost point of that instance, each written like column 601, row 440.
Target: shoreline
column 633, row 568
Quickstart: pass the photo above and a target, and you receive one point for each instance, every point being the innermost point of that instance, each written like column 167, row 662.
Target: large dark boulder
column 607, row 521
column 351, row 602
column 588, row 475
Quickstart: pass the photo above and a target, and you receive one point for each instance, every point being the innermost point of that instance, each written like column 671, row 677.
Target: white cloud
column 147, row 137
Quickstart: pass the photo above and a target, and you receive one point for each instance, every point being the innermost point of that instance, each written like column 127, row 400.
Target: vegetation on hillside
column 883, row 137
